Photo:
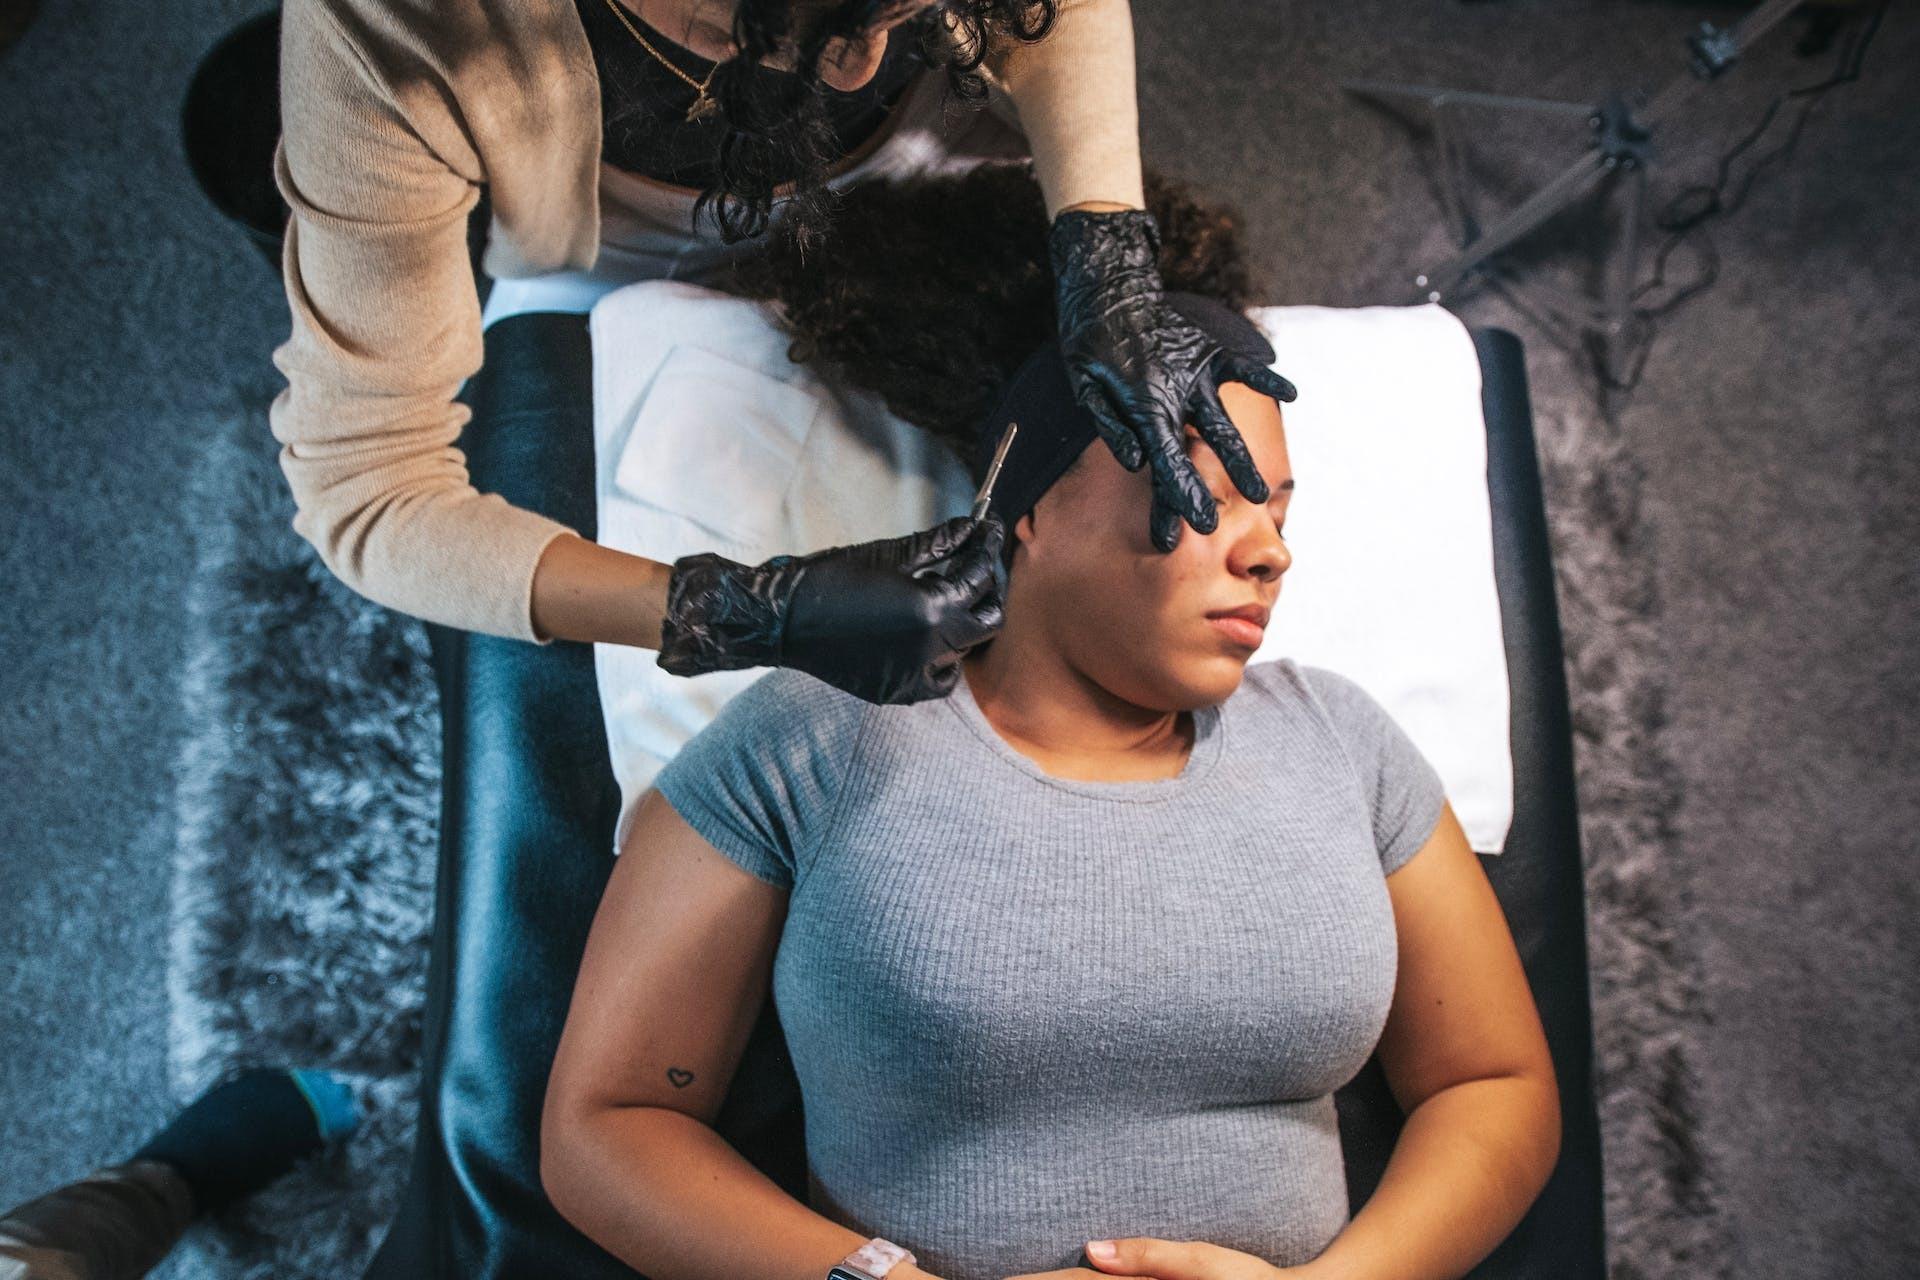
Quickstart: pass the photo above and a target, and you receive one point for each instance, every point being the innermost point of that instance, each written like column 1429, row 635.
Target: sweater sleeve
column 1074, row 93
column 1403, row 789
column 385, row 329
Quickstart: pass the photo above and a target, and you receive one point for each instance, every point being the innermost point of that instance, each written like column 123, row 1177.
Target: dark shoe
column 229, row 126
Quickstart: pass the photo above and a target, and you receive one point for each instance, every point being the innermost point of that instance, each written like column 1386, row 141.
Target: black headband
column 1054, row 429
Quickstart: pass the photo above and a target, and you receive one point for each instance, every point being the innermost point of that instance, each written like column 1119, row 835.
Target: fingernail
column 1101, row 1249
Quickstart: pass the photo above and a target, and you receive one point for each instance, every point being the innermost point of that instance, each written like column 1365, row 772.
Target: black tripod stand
column 1622, row 145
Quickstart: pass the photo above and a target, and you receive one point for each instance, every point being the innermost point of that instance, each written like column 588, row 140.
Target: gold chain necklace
column 704, row 105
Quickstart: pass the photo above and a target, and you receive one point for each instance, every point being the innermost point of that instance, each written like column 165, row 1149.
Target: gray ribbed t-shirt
column 1025, row 1011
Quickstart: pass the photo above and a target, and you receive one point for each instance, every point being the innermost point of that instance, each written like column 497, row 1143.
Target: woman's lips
column 1242, row 631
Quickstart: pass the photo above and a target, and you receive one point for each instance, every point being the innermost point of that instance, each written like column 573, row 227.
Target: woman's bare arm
column 584, row 591
column 676, row 969
column 1467, row 1059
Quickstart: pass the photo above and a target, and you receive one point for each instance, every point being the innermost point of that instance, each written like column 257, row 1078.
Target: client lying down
column 1079, row 952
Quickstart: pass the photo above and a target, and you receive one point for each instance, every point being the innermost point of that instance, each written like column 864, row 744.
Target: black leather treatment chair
column 530, row 803
column 527, row 826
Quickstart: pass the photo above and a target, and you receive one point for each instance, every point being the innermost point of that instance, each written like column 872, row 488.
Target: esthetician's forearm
column 1470, row 1161
column 1074, row 92
column 671, row 1198
column 584, row 591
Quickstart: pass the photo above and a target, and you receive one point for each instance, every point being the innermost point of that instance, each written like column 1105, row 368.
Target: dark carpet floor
column 1775, row 425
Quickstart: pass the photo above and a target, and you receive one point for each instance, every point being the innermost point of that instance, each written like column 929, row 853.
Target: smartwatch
column 870, row 1261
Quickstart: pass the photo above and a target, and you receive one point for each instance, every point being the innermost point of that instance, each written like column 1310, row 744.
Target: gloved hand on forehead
column 1143, row 370
column 886, row 621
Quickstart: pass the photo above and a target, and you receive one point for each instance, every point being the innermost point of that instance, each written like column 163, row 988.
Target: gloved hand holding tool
column 886, row 621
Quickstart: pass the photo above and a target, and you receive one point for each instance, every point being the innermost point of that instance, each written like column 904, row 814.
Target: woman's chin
column 1231, row 672
column 1203, row 681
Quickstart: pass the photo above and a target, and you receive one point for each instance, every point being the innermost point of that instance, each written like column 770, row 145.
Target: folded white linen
column 1391, row 530
column 707, row 438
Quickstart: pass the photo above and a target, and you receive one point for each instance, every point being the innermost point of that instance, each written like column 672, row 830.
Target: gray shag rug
column 307, row 816
column 308, row 809
column 1663, row 1206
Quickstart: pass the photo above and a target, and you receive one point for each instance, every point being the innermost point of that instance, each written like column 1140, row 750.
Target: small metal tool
column 985, row 496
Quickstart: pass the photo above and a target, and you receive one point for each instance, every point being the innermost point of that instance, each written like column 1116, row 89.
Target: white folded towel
column 1391, row 531
column 707, row 438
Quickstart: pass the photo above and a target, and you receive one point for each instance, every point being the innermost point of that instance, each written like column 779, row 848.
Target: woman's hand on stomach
column 1149, row 1256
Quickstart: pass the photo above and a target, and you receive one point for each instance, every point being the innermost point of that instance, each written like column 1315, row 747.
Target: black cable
column 1681, row 221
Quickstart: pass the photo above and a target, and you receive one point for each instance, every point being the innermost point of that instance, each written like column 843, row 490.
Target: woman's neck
column 1065, row 722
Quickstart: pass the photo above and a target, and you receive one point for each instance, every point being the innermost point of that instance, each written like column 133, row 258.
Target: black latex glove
column 886, row 620
column 1144, row 370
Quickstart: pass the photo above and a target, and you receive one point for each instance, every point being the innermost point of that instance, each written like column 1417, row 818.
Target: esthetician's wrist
column 722, row 615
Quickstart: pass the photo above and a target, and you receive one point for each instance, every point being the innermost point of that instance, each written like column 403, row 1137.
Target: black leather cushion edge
column 1538, row 876
column 530, row 804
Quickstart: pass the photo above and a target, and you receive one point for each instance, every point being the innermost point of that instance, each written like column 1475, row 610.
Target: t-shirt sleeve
column 1403, row 787
column 761, row 780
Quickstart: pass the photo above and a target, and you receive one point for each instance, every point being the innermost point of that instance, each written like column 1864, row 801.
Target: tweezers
column 985, row 496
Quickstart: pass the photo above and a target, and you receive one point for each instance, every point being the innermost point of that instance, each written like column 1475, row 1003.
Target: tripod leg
column 1433, row 95
column 1576, row 181
column 1453, row 175
column 1625, row 270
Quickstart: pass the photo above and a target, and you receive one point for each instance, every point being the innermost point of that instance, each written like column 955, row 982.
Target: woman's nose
column 1262, row 553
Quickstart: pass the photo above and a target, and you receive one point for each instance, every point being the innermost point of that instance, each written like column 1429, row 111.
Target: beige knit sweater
column 393, row 114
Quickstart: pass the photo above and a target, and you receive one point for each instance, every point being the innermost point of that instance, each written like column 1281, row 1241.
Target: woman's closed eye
column 1221, row 497
column 1225, row 494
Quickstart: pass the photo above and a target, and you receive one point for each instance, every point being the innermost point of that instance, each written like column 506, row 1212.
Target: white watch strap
column 877, row 1257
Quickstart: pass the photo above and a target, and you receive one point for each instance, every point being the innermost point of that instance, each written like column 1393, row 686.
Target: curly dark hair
column 931, row 291
column 780, row 127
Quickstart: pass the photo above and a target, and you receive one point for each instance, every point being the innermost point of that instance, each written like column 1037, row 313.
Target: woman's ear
column 1023, row 530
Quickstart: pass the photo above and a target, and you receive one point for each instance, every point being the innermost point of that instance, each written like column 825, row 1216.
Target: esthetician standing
column 676, row 133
